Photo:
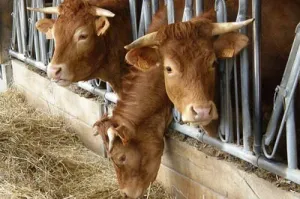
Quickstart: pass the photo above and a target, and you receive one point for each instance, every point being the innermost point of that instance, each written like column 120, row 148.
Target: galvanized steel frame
column 31, row 46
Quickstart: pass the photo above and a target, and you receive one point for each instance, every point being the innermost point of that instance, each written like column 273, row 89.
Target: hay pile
column 41, row 157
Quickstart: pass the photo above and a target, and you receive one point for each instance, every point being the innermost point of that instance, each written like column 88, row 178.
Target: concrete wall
column 185, row 171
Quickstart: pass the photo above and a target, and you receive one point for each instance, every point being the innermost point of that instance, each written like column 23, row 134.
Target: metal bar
column 259, row 161
column 19, row 37
column 23, row 17
column 142, row 23
column 278, row 104
column 147, row 13
column 132, row 6
column 170, row 9
column 188, row 10
column 257, row 117
column 155, row 5
column 291, row 87
column 199, row 7
column 225, row 69
column 31, row 32
column 291, row 139
column 236, row 94
column 244, row 60
column 14, row 28
column 27, row 60
column 42, row 37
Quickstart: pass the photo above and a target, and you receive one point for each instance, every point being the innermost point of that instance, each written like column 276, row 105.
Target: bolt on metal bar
column 244, row 65
column 133, row 15
column 199, row 7
column 257, row 117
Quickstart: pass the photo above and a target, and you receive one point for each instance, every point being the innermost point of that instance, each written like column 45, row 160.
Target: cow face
column 188, row 53
column 78, row 36
column 136, row 163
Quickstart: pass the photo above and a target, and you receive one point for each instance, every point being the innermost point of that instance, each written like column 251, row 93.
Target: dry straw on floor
column 41, row 157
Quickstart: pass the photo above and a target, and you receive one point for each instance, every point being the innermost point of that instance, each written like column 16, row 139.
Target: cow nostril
column 202, row 111
column 57, row 71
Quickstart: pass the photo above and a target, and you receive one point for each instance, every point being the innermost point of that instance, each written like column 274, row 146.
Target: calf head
column 137, row 162
column 78, row 35
column 188, row 52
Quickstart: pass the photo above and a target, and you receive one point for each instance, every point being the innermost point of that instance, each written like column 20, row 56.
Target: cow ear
column 45, row 26
column 230, row 44
column 102, row 25
column 143, row 58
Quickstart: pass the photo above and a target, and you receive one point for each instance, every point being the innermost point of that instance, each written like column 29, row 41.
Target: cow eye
column 168, row 69
column 122, row 158
column 82, row 37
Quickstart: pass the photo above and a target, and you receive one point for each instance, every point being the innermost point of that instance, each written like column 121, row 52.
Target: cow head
column 137, row 162
column 188, row 52
column 78, row 35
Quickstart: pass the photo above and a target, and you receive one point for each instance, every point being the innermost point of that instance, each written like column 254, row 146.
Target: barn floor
column 41, row 157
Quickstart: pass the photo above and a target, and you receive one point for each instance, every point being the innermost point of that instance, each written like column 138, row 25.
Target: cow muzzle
column 202, row 114
column 55, row 73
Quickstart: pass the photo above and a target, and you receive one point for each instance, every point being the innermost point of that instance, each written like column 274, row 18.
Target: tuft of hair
column 185, row 30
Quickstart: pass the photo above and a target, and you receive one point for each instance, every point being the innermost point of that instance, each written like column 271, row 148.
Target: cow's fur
column 102, row 56
column 141, row 117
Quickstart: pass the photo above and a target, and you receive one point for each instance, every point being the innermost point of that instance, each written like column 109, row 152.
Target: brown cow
column 188, row 51
column 183, row 72
column 133, row 136
column 88, row 40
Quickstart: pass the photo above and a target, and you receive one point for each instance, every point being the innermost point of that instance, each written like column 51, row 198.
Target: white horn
column 147, row 40
column 221, row 28
column 101, row 12
column 47, row 10
column 111, row 133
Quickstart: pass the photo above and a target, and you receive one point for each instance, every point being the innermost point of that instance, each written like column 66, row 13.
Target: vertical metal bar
column 23, row 21
column 188, row 11
column 14, row 28
column 142, row 23
column 132, row 6
column 244, row 60
column 225, row 66
column 170, row 9
column 199, row 7
column 257, row 118
column 278, row 104
column 31, row 31
column 291, row 139
column 19, row 37
column 236, row 94
column 147, row 13
column 155, row 5
column 42, row 37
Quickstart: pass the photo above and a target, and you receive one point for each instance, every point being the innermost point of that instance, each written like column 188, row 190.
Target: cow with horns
column 188, row 51
column 88, row 40
column 133, row 135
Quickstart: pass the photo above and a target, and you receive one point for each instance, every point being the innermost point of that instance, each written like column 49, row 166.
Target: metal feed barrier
column 31, row 46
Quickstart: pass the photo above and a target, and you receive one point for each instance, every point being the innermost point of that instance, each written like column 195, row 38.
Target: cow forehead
column 188, row 53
